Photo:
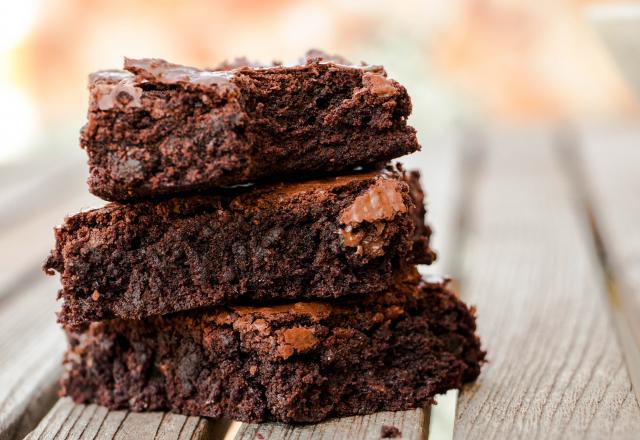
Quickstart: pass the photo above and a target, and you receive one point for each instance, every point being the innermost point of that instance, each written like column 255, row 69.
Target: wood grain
column 67, row 420
column 412, row 425
column 610, row 160
column 555, row 369
column 31, row 343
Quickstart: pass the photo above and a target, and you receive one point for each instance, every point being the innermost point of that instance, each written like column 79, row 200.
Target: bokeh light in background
column 487, row 61
column 17, row 112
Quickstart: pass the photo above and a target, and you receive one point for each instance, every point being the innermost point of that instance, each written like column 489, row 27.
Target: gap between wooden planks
column 608, row 161
column 555, row 369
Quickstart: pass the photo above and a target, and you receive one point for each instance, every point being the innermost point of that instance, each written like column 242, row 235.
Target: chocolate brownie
column 317, row 239
column 302, row 362
column 388, row 431
column 160, row 128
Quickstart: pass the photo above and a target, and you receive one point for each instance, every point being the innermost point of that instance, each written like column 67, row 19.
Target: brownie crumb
column 389, row 432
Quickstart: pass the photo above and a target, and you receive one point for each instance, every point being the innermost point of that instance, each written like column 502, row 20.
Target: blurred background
column 466, row 63
column 463, row 62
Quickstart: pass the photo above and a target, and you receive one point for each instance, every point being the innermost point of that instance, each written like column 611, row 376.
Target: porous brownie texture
column 158, row 128
column 300, row 362
column 316, row 239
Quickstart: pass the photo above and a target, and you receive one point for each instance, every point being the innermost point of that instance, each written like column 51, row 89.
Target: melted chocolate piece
column 160, row 71
column 382, row 201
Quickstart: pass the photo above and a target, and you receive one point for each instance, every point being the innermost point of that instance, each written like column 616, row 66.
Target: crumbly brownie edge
column 169, row 129
column 298, row 363
column 130, row 261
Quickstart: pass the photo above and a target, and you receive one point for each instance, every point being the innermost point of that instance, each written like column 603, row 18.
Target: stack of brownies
column 258, row 259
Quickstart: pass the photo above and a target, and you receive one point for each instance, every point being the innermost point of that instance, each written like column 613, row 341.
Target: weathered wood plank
column 55, row 419
column 610, row 159
column 555, row 369
column 78, row 430
column 37, row 186
column 440, row 168
column 67, row 420
column 30, row 341
column 139, row 426
column 109, row 425
column 172, row 425
column 30, row 353
column 412, row 424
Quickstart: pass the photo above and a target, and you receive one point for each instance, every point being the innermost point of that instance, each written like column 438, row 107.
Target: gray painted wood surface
column 610, row 161
column 31, row 343
column 67, row 420
column 509, row 223
column 555, row 369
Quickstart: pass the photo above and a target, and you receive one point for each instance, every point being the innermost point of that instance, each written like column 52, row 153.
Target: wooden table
column 541, row 228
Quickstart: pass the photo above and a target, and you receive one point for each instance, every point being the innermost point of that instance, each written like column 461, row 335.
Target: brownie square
column 300, row 362
column 317, row 239
column 158, row 128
